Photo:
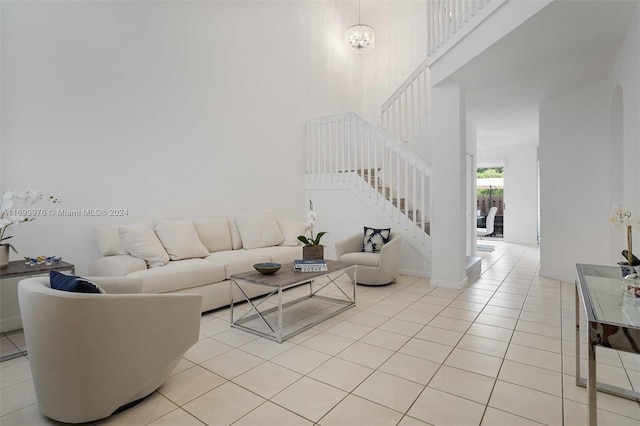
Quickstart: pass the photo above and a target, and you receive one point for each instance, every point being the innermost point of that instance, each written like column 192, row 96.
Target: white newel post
column 448, row 224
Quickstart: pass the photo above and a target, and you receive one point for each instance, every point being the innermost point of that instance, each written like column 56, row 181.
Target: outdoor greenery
column 490, row 172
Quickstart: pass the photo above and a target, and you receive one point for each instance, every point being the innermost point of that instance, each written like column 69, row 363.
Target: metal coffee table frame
column 601, row 331
column 286, row 279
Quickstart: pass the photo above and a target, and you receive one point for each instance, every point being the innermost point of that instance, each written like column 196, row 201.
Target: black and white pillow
column 374, row 239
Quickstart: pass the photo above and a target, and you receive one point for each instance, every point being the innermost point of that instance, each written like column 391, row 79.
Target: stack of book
column 316, row 265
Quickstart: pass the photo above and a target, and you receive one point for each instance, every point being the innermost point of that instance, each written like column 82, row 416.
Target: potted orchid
column 312, row 248
column 622, row 216
column 13, row 211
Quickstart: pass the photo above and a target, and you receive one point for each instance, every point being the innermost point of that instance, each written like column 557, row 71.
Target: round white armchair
column 372, row 268
column 93, row 353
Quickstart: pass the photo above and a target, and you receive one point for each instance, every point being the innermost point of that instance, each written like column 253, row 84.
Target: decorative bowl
column 267, row 268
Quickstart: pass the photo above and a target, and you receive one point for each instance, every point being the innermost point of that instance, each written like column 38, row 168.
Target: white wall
column 626, row 74
column 167, row 109
column 573, row 210
column 401, row 45
column 574, row 166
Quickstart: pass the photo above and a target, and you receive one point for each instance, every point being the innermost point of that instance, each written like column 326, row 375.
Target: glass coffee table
column 313, row 298
column 613, row 322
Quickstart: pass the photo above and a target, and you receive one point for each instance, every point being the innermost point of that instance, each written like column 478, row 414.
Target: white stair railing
column 408, row 109
column 346, row 149
column 445, row 17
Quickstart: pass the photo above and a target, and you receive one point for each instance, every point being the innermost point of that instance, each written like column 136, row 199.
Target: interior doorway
column 490, row 194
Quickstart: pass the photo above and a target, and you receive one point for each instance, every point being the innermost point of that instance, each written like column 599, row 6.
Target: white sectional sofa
column 196, row 256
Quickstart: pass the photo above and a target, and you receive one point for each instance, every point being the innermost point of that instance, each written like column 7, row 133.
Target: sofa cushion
column 236, row 240
column 180, row 239
column 361, row 258
column 237, row 261
column 72, row 283
column 259, row 229
column 179, row 274
column 280, row 254
column 140, row 241
column 214, row 234
column 375, row 239
column 108, row 239
column 291, row 231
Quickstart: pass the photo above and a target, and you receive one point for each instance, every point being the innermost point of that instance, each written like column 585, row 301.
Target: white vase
column 4, row 255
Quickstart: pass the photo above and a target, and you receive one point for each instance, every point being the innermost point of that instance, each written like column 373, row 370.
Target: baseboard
column 9, row 324
column 557, row 276
column 450, row 284
column 412, row 273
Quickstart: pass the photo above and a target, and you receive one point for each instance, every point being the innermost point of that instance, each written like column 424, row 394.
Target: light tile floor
column 500, row 352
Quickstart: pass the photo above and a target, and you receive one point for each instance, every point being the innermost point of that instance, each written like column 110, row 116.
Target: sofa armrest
column 390, row 255
column 116, row 266
column 350, row 244
column 118, row 285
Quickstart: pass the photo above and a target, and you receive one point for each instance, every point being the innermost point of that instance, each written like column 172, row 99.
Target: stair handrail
column 407, row 110
column 345, row 148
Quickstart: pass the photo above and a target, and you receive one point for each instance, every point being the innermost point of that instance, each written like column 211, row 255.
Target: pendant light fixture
column 360, row 37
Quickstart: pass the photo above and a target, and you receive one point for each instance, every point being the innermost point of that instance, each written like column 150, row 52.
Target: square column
column 448, row 194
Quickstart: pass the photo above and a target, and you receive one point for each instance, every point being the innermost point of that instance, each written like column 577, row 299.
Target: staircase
column 345, row 151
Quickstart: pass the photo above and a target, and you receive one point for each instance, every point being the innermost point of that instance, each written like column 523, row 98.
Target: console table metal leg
column 280, row 315
column 578, row 382
column 593, row 405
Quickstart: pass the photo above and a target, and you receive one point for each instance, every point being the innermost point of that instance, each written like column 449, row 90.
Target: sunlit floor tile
column 525, row 402
column 483, row 345
column 341, row 374
column 269, row 414
column 223, row 405
column 388, row 390
column 441, row 408
column 494, row 417
column 267, row 379
column 465, row 384
column 310, row 398
column 354, row 410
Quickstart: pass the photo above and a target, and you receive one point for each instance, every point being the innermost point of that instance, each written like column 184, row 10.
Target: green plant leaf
column 304, row 240
column 316, row 242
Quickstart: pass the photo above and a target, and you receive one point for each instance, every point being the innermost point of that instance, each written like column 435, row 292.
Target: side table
column 611, row 323
column 9, row 278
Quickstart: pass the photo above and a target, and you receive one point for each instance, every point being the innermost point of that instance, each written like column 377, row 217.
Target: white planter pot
column 4, row 255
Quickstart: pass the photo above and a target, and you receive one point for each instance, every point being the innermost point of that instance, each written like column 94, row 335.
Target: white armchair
column 372, row 268
column 91, row 354
column 491, row 217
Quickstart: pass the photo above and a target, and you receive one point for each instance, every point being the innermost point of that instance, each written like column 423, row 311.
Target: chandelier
column 360, row 37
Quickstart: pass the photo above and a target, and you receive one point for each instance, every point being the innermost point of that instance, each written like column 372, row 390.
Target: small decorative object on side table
column 312, row 248
column 13, row 212
column 622, row 216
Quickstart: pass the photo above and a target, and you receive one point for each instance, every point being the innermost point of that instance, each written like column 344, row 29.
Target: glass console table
column 613, row 322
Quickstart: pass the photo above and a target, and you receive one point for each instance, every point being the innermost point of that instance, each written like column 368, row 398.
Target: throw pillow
column 214, row 234
column 259, row 229
column 140, row 241
column 236, row 240
column 180, row 239
column 291, row 230
column 375, row 239
column 108, row 240
column 64, row 282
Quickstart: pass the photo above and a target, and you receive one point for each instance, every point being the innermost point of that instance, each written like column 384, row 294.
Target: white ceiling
column 567, row 45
